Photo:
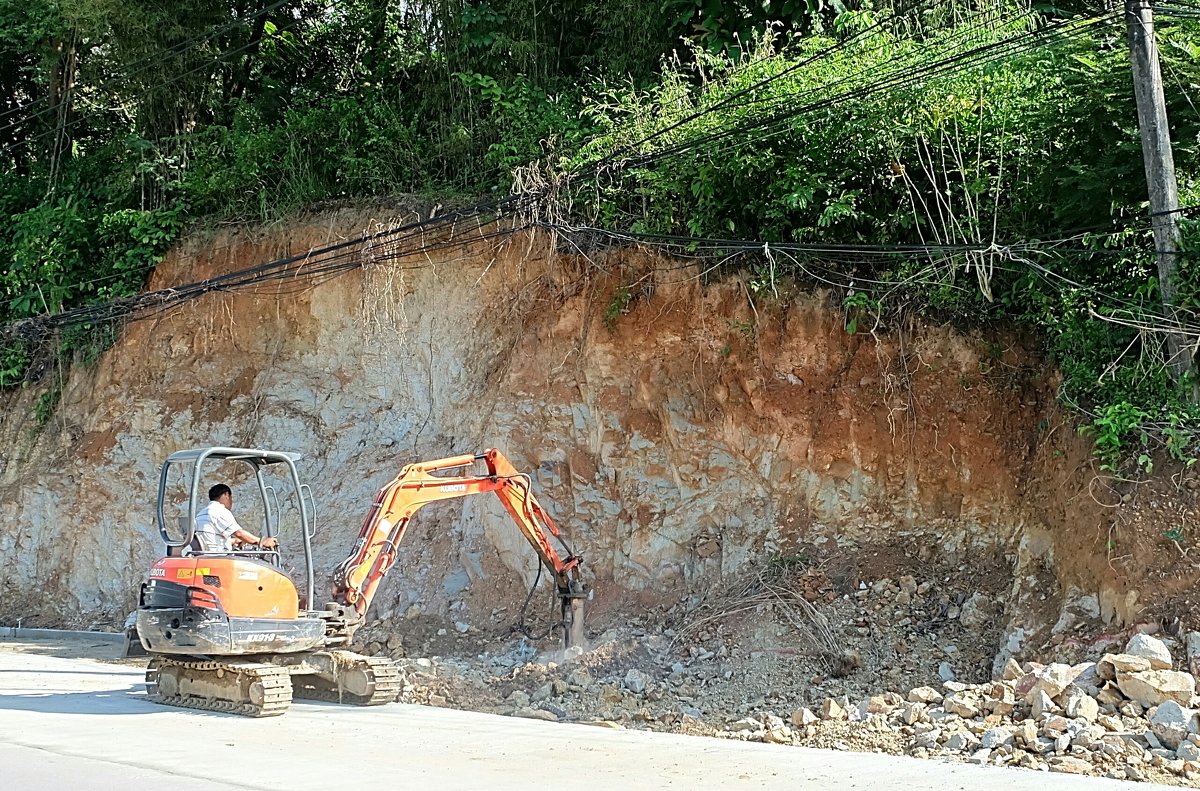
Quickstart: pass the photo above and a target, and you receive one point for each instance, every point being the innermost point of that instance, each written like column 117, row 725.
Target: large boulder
column 1041, row 706
column 926, row 695
column 962, row 705
column 1080, row 706
column 1172, row 723
column 1051, row 679
column 1111, row 664
column 976, row 612
column 1087, row 679
column 1150, row 648
column 1152, row 687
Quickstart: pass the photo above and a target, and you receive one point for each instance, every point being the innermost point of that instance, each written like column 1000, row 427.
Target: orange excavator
column 231, row 632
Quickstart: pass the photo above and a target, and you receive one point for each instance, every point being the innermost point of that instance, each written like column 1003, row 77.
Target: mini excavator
column 230, row 631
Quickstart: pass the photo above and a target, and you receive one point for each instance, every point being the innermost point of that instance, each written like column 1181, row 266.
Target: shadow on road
column 131, row 700
column 69, row 673
column 69, row 649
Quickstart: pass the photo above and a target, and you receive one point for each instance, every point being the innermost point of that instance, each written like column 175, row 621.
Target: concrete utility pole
column 1160, row 167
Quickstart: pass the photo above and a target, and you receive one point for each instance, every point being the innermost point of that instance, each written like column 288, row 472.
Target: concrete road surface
column 84, row 725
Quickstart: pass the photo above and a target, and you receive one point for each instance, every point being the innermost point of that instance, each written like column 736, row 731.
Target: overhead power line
column 749, row 90
column 329, row 259
column 975, row 57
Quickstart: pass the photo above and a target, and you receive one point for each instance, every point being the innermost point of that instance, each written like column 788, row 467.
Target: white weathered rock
column 1111, row 664
column 832, row 710
column 1172, row 723
column 1084, row 739
column 926, row 695
column 1152, row 649
column 1081, row 706
column 778, row 735
column 996, row 737
column 912, row 713
column 1041, row 746
column 1152, row 687
column 747, row 725
column 976, row 611
column 1188, row 751
column 636, row 681
column 1041, row 706
column 803, row 717
column 1051, row 679
column 876, row 704
column 1131, row 708
column 979, row 757
column 961, row 705
column 1027, row 732
column 1070, row 765
column 928, row 740
column 962, row 740
column 777, row 731
column 1012, row 671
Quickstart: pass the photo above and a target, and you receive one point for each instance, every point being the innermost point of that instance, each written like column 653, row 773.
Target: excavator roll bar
column 357, row 578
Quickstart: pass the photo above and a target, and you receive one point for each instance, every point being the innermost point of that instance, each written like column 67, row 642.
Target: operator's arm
column 231, row 529
column 248, row 538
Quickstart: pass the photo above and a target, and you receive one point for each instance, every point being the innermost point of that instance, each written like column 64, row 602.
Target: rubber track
column 277, row 687
column 383, row 673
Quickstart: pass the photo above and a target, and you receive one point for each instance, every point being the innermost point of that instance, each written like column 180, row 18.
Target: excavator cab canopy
column 194, row 466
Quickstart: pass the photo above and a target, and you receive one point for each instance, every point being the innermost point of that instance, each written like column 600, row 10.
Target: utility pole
column 1160, row 168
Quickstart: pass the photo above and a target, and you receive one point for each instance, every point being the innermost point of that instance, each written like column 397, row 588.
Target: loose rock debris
column 795, row 664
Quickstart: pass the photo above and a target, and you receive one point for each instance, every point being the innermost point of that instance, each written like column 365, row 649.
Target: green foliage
column 46, row 405
column 1031, row 147
column 788, row 563
column 857, row 304
column 157, row 117
column 1113, row 427
column 14, row 358
column 618, row 306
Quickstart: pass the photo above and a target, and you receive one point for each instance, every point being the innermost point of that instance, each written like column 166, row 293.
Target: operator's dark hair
column 218, row 490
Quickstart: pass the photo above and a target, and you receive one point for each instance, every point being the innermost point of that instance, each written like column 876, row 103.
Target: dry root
column 784, row 592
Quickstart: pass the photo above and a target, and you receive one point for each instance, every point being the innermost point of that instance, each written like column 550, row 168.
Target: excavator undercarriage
column 264, row 686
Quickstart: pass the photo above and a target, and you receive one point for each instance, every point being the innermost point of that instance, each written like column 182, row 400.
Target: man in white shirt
column 216, row 529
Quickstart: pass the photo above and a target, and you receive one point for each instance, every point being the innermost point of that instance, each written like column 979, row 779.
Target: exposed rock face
column 674, row 443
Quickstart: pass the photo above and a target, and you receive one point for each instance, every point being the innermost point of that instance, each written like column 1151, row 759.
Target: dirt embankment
column 683, row 431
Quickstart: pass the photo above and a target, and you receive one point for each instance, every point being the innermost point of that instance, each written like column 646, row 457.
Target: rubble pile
column 1129, row 715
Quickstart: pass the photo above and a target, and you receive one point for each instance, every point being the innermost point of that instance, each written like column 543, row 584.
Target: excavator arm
column 356, row 579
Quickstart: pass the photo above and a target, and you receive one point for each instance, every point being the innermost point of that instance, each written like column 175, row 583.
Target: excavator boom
column 357, row 578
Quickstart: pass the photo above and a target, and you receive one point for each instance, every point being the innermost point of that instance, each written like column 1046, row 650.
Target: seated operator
column 216, row 529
